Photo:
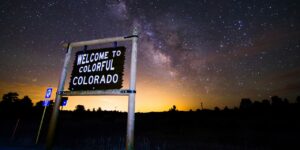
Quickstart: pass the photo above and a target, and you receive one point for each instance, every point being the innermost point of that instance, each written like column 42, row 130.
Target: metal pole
column 40, row 127
column 55, row 111
column 15, row 129
column 131, row 99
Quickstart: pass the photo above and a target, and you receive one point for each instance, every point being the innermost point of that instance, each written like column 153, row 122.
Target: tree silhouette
column 25, row 105
column 277, row 102
column 39, row 105
column 257, row 106
column 245, row 104
column 217, row 109
column 10, row 97
column 266, row 103
column 14, row 106
column 99, row 109
column 26, row 102
column 79, row 108
column 173, row 109
column 225, row 108
column 9, row 102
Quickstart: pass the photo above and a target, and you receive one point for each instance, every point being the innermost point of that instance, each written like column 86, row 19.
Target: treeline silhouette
column 11, row 104
column 266, row 124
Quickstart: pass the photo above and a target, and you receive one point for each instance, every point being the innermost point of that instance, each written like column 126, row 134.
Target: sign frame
column 98, row 69
column 125, row 92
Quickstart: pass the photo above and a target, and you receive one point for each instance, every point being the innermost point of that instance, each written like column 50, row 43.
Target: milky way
column 191, row 51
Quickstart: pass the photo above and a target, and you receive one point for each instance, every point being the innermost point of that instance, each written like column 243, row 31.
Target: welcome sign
column 98, row 69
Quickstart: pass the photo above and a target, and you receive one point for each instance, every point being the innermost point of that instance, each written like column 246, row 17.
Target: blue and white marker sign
column 64, row 102
column 48, row 93
column 46, row 103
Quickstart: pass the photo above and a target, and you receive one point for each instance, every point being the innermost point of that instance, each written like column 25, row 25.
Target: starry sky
column 190, row 52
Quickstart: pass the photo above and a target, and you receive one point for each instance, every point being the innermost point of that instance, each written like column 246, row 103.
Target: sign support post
column 131, row 98
column 55, row 111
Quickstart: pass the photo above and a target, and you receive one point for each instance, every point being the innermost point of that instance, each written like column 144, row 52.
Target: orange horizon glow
column 149, row 98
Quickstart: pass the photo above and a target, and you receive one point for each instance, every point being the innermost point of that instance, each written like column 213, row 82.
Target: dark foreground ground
column 202, row 129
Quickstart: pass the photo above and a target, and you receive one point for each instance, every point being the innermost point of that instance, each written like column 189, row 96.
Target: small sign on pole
column 64, row 101
column 46, row 103
column 48, row 93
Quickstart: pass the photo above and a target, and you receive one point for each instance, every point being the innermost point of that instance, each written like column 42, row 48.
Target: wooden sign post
column 98, row 72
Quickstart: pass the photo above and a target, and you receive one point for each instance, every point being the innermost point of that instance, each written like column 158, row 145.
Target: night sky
column 190, row 52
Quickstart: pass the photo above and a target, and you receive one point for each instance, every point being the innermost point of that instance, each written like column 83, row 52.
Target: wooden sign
column 98, row 69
